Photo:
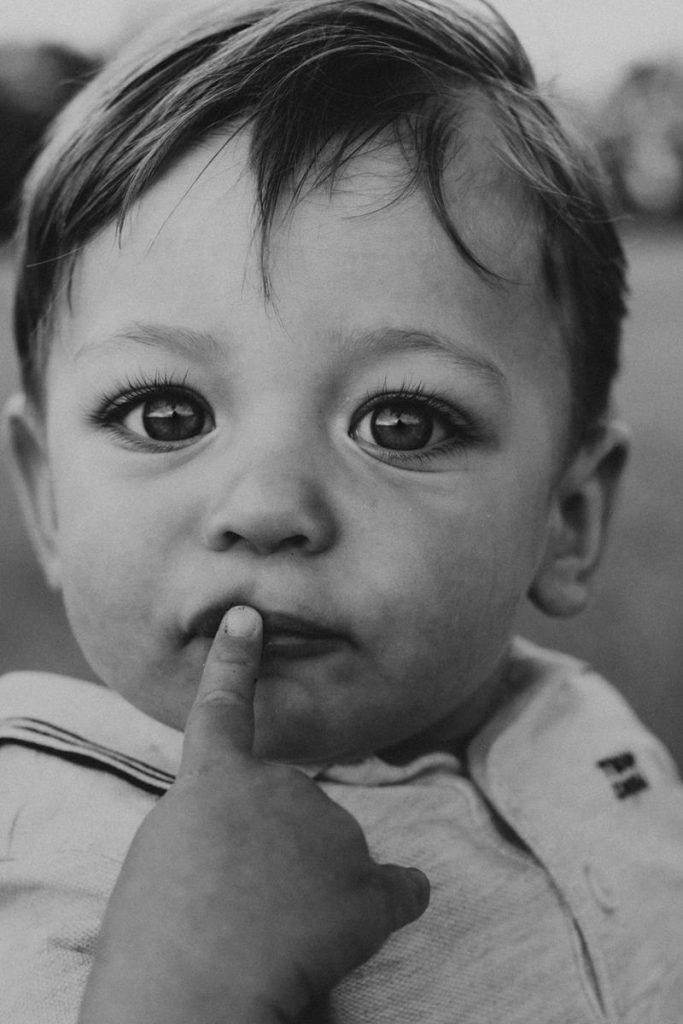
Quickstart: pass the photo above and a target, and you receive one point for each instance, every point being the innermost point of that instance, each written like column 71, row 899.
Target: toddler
column 318, row 312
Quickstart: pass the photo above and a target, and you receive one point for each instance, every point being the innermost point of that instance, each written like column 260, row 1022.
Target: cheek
column 107, row 599
column 109, row 559
column 442, row 593
column 456, row 557
column 102, row 551
column 106, row 524
column 114, row 599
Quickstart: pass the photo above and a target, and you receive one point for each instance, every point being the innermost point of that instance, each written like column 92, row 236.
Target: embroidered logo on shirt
column 624, row 774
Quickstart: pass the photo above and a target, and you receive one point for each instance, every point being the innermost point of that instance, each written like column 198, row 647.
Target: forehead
column 351, row 258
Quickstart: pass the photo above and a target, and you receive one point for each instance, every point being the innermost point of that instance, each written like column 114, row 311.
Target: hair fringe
column 316, row 82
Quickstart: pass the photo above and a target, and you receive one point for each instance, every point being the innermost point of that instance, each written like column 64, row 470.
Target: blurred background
column 619, row 65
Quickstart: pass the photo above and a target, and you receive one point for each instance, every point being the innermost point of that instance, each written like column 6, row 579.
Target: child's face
column 369, row 459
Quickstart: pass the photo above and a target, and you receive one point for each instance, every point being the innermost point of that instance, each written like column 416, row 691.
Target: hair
column 316, row 82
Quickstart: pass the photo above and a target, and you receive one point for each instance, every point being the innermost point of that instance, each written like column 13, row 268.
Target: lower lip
column 293, row 647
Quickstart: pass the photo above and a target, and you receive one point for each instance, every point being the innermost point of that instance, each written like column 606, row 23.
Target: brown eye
column 172, row 419
column 168, row 417
column 402, row 425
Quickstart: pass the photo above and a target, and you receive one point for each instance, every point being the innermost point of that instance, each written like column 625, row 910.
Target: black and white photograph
column 341, row 477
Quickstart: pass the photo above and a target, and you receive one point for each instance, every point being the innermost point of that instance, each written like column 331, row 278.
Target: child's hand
column 246, row 892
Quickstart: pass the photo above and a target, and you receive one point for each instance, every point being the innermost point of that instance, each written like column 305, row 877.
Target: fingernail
column 241, row 621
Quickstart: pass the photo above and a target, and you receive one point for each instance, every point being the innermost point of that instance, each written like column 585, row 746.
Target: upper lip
column 275, row 624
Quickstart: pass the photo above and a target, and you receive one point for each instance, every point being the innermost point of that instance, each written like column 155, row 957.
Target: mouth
column 287, row 637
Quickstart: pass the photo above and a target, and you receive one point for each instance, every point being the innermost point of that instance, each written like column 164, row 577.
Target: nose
column 274, row 502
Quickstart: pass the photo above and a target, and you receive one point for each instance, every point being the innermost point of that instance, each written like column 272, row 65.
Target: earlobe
column 581, row 511
column 30, row 467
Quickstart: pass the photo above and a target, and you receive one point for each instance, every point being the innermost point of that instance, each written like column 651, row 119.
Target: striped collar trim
column 45, row 736
column 88, row 724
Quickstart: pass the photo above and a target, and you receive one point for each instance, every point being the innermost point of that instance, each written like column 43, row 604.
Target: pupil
column 169, row 419
column 400, row 427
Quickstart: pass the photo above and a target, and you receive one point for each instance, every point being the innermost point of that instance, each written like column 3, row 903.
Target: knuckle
column 239, row 655
column 402, row 894
column 223, row 698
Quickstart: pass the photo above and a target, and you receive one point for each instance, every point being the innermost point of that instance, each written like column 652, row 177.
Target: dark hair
column 316, row 81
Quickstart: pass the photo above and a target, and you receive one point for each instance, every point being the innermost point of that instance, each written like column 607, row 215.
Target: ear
column 582, row 507
column 30, row 468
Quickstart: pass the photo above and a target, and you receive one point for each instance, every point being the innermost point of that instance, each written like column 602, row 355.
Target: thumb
column 222, row 716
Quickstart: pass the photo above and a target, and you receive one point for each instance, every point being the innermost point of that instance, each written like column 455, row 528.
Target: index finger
column 222, row 715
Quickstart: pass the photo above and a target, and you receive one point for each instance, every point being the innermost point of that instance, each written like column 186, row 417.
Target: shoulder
column 67, row 716
column 64, row 828
column 78, row 765
column 566, row 742
column 598, row 801
column 556, row 863
column 79, row 770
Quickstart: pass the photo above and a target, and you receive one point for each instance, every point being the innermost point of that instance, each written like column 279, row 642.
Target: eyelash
column 465, row 432
column 112, row 406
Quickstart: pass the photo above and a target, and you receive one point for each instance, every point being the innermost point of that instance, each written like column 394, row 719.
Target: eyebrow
column 187, row 341
column 455, row 351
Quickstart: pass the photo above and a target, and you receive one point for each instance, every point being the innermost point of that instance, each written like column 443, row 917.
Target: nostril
column 263, row 543
column 268, row 513
column 268, row 545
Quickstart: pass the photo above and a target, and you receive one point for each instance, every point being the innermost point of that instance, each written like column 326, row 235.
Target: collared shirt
column 555, row 854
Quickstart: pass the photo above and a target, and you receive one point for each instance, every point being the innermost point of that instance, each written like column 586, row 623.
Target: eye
column 155, row 415
column 168, row 417
column 410, row 424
